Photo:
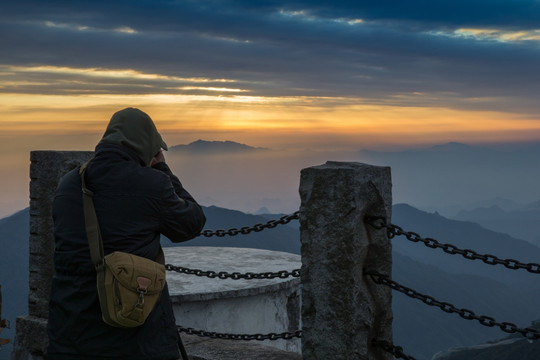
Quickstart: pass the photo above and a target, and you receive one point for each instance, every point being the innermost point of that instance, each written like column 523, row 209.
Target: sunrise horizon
column 332, row 78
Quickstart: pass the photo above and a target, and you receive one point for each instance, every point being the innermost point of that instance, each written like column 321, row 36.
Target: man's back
column 134, row 204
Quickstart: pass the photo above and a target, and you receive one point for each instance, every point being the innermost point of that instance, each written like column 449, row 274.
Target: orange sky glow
column 51, row 100
column 290, row 76
column 262, row 121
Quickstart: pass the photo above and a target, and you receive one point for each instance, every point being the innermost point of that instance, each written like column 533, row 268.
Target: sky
column 325, row 75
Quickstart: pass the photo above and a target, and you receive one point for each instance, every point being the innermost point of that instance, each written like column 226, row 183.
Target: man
column 136, row 198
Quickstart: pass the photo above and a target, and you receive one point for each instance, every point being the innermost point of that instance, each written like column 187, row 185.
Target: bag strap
column 90, row 219
column 93, row 232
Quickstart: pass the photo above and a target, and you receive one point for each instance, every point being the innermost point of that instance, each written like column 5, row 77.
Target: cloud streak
column 417, row 53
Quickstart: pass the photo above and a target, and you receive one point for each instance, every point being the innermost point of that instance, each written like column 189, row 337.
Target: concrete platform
column 187, row 288
column 236, row 306
column 214, row 349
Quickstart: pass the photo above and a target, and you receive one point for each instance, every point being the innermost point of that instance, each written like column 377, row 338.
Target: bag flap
column 128, row 269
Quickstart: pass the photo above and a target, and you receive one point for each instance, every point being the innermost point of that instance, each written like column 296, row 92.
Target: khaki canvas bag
column 128, row 285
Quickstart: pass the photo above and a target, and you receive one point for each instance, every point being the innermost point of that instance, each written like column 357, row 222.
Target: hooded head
column 134, row 129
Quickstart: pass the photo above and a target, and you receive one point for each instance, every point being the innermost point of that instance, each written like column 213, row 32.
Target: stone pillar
column 46, row 169
column 342, row 310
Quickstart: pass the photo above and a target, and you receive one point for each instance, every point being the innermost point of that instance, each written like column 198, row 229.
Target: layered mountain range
column 423, row 331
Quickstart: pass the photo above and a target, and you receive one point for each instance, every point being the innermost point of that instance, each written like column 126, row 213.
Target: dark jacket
column 134, row 204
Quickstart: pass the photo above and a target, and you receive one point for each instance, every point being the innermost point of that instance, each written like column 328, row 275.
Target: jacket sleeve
column 181, row 217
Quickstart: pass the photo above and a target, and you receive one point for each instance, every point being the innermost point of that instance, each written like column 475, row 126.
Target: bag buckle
column 143, row 283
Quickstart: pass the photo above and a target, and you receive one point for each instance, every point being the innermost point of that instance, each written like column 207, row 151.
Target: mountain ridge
column 215, row 147
column 518, row 221
column 446, row 177
column 420, row 329
column 465, row 235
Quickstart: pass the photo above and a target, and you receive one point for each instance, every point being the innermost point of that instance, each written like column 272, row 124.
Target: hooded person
column 135, row 130
column 137, row 199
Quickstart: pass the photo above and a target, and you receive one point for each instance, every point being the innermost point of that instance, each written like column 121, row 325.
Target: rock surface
column 343, row 311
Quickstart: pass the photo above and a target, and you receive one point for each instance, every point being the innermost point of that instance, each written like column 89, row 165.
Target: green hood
column 134, row 129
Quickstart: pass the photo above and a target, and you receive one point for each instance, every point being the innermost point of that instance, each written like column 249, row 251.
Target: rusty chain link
column 256, row 228
column 245, row 337
column 507, row 327
column 282, row 274
column 397, row 351
column 394, row 230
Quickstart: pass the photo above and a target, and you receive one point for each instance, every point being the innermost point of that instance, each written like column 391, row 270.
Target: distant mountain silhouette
column 499, row 202
column 521, row 222
column 448, row 177
column 511, row 347
column 451, row 147
column 214, row 147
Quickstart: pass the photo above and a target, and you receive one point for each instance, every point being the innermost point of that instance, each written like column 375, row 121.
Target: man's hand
column 157, row 159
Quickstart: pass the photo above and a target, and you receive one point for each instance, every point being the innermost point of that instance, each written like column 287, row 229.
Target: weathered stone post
column 342, row 310
column 46, row 170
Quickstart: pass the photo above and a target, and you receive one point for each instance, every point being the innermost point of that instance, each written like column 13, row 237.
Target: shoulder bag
column 128, row 285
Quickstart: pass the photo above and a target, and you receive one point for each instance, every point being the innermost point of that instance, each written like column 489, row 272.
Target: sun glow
column 262, row 117
column 67, row 100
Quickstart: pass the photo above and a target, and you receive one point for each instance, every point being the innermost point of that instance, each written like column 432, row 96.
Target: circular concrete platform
column 236, row 306
column 183, row 287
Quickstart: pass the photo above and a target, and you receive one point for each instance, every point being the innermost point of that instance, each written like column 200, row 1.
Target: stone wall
column 46, row 170
column 342, row 310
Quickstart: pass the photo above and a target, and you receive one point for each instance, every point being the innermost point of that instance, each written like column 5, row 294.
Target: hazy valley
column 504, row 294
column 462, row 191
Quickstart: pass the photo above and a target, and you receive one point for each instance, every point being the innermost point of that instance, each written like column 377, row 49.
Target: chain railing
column 394, row 230
column 222, row 275
column 245, row 337
column 507, row 327
column 397, row 351
column 248, row 229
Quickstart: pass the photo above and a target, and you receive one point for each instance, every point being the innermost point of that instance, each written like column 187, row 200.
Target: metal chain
column 256, row 228
column 282, row 274
column 508, row 327
column 397, row 351
column 246, row 337
column 394, row 230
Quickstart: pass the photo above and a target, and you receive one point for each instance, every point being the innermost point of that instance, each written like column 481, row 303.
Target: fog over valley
column 452, row 188
column 447, row 178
